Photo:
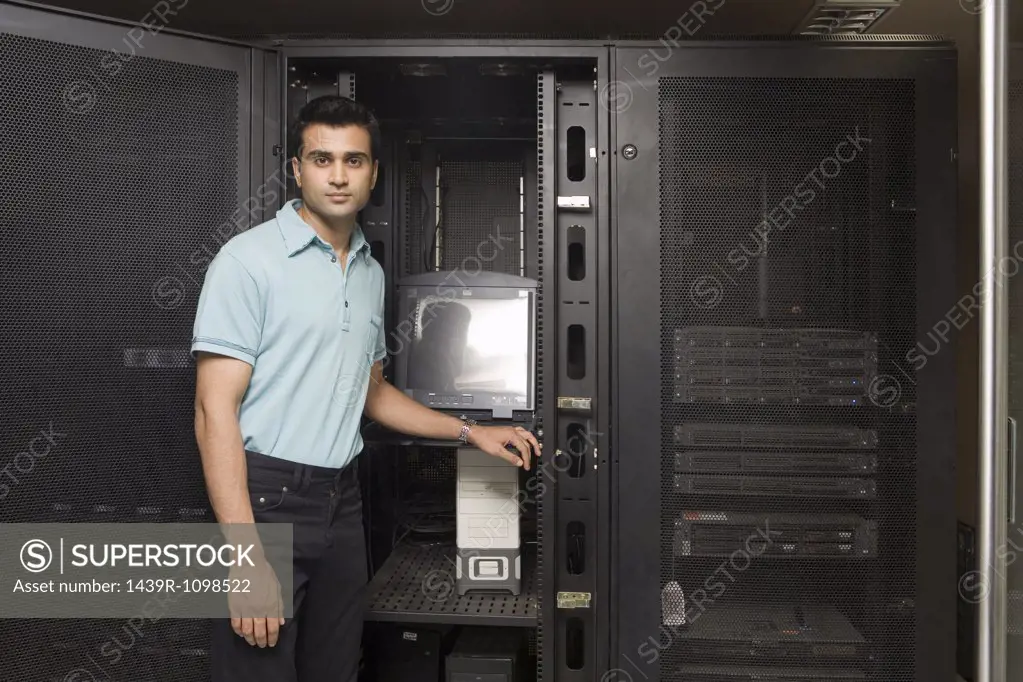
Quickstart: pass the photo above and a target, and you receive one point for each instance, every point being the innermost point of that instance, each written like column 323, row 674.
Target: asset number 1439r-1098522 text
column 239, row 585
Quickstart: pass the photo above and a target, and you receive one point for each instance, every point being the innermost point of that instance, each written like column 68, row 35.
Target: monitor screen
column 471, row 346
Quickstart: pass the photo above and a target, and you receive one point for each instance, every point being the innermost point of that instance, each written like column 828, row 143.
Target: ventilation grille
column 844, row 18
column 103, row 273
column 431, row 465
column 117, row 175
column 787, row 304
column 481, row 220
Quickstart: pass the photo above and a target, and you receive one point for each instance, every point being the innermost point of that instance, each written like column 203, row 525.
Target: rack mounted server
column 774, row 366
column 814, row 635
column 721, row 533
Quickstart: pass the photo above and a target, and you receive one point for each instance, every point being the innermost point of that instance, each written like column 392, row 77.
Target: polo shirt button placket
column 344, row 277
column 346, row 319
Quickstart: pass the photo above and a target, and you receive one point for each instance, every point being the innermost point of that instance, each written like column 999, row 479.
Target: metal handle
column 1011, row 474
column 992, row 617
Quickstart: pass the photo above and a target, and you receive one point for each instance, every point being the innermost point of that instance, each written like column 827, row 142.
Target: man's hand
column 493, row 439
column 256, row 615
column 394, row 410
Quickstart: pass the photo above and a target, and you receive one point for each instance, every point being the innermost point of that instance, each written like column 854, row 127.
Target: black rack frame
column 562, row 501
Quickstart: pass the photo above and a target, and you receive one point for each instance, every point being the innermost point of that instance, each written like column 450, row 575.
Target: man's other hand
column 494, row 440
column 257, row 614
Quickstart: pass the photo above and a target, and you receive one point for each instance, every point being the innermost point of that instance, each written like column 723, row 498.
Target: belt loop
column 296, row 478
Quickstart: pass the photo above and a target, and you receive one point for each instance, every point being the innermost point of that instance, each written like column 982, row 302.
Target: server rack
column 563, row 249
column 763, row 332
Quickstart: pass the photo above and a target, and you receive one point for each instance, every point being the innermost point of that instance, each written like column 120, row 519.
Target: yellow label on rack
column 574, row 600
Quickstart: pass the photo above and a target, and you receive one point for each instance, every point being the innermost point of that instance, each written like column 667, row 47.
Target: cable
column 430, row 250
column 426, row 214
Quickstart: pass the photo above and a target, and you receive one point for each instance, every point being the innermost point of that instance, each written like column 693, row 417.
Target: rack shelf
column 417, row 585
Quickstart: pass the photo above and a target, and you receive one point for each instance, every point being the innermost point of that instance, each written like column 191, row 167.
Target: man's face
column 334, row 170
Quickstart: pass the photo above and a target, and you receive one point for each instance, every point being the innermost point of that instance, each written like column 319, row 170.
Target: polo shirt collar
column 298, row 234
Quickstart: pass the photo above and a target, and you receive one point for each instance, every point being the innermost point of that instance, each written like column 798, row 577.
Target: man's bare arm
column 391, row 408
column 220, row 384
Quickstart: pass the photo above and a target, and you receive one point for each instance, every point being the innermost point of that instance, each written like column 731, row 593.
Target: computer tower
column 409, row 653
column 488, row 655
column 489, row 547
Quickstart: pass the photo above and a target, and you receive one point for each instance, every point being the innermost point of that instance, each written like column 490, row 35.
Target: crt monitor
column 468, row 342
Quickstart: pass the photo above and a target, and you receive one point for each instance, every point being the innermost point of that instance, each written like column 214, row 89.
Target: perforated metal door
column 773, row 285
column 124, row 162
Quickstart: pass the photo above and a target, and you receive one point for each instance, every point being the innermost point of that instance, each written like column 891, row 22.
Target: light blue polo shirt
column 275, row 296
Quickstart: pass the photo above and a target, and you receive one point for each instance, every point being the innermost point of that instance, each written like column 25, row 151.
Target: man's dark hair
column 334, row 110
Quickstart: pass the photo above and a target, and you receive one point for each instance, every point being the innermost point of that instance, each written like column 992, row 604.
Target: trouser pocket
column 267, row 493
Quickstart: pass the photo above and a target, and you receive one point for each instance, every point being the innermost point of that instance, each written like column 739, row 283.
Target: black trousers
column 322, row 642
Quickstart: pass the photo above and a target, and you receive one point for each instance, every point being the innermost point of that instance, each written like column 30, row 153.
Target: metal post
column 991, row 634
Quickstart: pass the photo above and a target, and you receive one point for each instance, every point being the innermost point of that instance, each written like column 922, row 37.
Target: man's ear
column 376, row 169
column 296, row 168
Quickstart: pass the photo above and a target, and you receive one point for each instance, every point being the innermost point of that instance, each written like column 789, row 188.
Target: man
column 289, row 341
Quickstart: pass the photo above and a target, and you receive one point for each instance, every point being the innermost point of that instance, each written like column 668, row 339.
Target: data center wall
column 785, row 237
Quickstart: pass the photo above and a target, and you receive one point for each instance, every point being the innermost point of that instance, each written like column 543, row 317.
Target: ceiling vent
column 845, row 17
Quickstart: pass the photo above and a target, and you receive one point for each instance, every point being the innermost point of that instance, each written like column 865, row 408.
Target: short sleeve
column 228, row 319
column 380, row 352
